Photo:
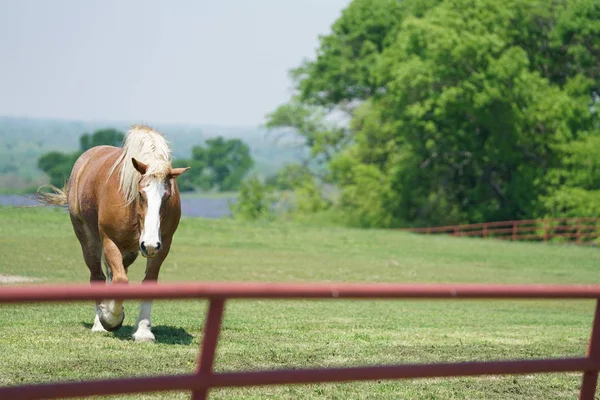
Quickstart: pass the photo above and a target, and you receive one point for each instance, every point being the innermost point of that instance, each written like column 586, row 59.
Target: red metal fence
column 204, row 378
column 580, row 231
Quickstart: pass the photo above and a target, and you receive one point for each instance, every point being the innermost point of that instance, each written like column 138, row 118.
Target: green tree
column 576, row 181
column 343, row 69
column 304, row 191
column 221, row 163
column 58, row 166
column 186, row 182
column 254, row 200
column 322, row 137
column 290, row 176
column 459, row 111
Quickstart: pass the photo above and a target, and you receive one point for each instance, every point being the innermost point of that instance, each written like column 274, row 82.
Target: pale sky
column 221, row 62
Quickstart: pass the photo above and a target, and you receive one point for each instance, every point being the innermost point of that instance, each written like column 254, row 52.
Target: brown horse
column 123, row 201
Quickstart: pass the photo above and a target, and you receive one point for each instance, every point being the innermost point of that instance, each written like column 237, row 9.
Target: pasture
column 42, row 343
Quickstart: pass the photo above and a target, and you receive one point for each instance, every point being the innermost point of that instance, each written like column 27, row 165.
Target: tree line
column 218, row 164
column 430, row 112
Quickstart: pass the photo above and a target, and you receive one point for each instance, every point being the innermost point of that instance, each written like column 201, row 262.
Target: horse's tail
column 58, row 197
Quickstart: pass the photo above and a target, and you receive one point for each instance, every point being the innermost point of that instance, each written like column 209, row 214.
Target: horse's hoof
column 112, row 328
column 143, row 335
column 97, row 327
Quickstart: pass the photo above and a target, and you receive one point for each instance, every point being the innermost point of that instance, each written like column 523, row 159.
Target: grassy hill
column 42, row 343
column 23, row 140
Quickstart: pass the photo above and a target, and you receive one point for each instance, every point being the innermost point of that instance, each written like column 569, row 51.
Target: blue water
column 190, row 206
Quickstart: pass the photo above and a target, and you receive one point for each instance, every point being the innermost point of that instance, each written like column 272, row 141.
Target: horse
column 122, row 202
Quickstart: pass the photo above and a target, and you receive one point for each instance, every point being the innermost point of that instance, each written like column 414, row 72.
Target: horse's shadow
column 162, row 334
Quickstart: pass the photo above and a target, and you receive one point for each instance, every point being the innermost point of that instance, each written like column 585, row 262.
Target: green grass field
column 43, row 343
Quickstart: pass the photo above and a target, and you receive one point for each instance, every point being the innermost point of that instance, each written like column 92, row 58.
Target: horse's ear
column 175, row 172
column 139, row 166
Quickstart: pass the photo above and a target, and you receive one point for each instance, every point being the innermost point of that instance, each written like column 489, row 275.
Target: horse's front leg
column 111, row 311
column 142, row 331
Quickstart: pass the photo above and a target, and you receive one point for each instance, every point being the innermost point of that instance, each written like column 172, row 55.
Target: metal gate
column 204, row 378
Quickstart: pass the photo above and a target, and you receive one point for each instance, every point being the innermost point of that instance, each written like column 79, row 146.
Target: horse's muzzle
column 149, row 251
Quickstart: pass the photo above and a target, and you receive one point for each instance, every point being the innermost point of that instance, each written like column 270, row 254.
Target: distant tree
column 191, row 180
column 58, row 165
column 254, row 200
column 324, row 139
column 290, row 176
column 110, row 137
column 221, row 163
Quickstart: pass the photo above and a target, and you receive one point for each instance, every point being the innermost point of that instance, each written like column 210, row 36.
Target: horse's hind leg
column 92, row 255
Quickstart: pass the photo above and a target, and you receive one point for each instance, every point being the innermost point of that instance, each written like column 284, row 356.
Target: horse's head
column 154, row 191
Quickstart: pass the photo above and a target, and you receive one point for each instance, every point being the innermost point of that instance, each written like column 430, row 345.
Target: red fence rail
column 204, row 378
column 580, row 231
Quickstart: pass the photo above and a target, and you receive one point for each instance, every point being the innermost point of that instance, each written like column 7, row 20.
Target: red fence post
column 206, row 359
column 590, row 378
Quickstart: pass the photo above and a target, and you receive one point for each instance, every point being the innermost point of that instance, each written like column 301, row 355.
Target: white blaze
column 151, row 234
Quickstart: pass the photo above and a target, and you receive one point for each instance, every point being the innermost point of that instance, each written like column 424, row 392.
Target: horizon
column 111, row 123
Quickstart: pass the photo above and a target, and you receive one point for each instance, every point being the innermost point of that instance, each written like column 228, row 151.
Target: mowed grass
column 43, row 342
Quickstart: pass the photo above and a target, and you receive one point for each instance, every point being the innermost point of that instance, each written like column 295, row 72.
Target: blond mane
column 148, row 146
